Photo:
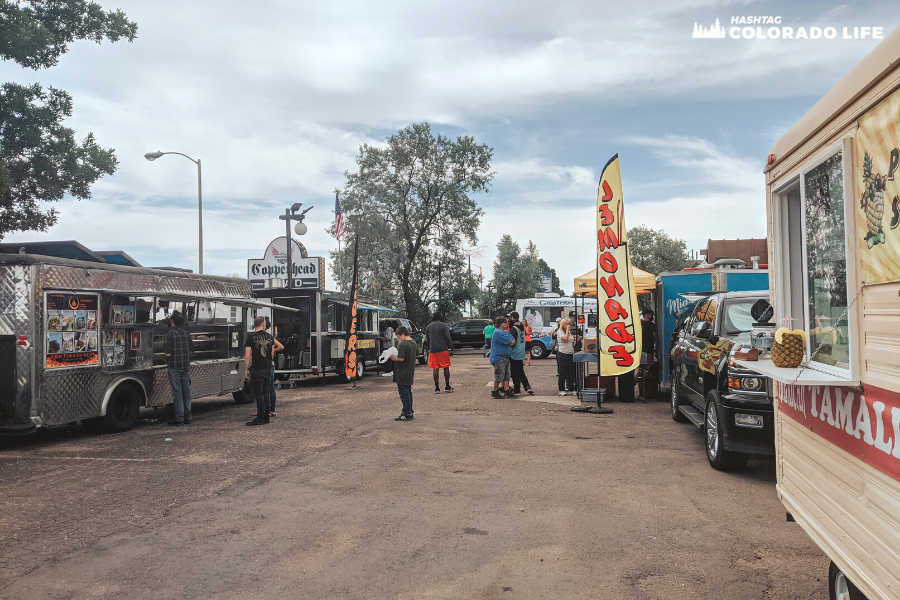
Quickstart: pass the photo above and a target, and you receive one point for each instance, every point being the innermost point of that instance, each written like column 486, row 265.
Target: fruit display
column 787, row 350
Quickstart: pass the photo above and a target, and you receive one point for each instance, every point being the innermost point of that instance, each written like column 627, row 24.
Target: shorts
column 439, row 360
column 501, row 369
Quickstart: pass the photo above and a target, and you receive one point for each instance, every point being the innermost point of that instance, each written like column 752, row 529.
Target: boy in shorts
column 501, row 347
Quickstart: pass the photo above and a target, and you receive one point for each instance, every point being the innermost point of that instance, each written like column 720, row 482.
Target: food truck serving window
column 810, row 222
column 72, row 330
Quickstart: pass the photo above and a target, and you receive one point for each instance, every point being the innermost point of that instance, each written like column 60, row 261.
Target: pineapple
column 787, row 351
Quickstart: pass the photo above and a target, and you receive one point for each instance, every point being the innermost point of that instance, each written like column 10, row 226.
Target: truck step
column 694, row 416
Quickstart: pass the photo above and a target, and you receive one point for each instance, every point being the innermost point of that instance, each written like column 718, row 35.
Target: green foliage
column 655, row 251
column 517, row 274
column 411, row 203
column 40, row 160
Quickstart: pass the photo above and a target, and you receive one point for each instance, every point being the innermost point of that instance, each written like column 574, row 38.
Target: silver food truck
column 309, row 320
column 82, row 338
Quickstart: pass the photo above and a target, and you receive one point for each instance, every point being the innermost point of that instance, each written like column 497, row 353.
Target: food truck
column 82, row 337
column 313, row 331
column 833, row 209
column 672, row 295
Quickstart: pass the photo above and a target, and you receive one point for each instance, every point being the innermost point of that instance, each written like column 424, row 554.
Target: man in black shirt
column 258, row 358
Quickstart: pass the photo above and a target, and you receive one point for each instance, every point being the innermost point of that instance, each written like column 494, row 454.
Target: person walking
column 501, row 346
column 440, row 348
column 519, row 355
column 565, row 358
column 405, row 371
column 258, row 353
column 178, row 347
column 488, row 334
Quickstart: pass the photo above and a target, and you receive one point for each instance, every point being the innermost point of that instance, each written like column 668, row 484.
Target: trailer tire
column 841, row 588
column 538, row 350
column 123, row 408
column 244, row 395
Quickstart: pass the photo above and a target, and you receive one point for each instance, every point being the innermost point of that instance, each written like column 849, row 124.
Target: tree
column 545, row 268
column 411, row 204
column 517, row 274
column 40, row 160
column 655, row 251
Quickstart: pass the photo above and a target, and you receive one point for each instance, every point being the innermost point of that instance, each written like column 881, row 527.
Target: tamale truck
column 833, row 211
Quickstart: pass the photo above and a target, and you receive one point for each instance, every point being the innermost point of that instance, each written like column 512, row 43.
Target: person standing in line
column 648, row 348
column 565, row 358
column 501, row 347
column 405, row 371
column 269, row 387
column 178, row 347
column 518, row 356
column 389, row 339
column 440, row 348
column 488, row 334
column 258, row 358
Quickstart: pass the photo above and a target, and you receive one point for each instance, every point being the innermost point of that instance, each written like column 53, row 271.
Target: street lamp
column 300, row 229
column 151, row 156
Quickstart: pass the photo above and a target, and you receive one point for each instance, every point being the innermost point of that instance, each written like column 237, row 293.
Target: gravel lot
column 475, row 498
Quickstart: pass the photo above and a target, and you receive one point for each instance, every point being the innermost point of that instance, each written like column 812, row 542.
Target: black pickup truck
column 733, row 405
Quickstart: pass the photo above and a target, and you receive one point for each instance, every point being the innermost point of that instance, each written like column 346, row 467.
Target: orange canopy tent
column 644, row 282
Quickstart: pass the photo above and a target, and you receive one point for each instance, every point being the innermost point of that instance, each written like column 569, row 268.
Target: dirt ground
column 475, row 498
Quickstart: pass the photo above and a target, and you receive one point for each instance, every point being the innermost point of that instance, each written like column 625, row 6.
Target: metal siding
column 16, row 297
column 847, row 507
column 138, row 282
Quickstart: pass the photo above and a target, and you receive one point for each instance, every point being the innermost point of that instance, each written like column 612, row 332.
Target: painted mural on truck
column 877, row 182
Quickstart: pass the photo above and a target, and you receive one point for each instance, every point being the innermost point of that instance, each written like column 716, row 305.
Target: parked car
column 415, row 333
column 468, row 333
column 733, row 405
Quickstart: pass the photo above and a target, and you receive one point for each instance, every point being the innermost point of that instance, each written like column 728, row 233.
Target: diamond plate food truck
column 82, row 338
column 833, row 209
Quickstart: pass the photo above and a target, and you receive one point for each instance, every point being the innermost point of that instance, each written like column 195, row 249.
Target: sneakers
column 176, row 423
column 437, row 390
column 188, row 421
column 404, row 418
column 257, row 421
column 511, row 394
column 530, row 392
column 564, row 393
column 497, row 395
column 448, row 389
column 387, row 374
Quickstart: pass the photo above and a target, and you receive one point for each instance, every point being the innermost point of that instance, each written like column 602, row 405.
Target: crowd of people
column 506, row 338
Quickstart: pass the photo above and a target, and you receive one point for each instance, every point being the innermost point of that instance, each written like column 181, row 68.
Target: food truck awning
column 177, row 297
column 586, row 285
column 380, row 308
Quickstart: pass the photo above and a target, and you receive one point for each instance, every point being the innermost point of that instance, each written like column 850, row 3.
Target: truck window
column 737, row 317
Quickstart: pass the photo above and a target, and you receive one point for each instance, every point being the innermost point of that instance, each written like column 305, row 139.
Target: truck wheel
column 719, row 458
column 122, row 409
column 245, row 395
column 675, row 395
column 424, row 359
column 839, row 587
column 360, row 369
column 536, row 350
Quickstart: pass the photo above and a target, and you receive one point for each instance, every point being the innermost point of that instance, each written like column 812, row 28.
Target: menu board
column 72, row 335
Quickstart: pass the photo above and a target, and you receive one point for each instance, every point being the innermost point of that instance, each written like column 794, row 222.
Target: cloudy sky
column 276, row 96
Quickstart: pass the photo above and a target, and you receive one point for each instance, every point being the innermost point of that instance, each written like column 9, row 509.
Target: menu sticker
column 109, row 356
column 120, row 355
column 69, row 319
column 109, row 337
column 128, row 315
column 135, row 340
column 120, row 338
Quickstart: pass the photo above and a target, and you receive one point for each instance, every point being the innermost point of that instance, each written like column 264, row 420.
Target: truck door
column 704, row 318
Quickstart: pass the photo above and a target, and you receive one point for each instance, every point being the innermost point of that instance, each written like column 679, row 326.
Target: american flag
column 338, row 219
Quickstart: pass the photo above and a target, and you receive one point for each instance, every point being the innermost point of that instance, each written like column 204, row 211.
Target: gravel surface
column 474, row 498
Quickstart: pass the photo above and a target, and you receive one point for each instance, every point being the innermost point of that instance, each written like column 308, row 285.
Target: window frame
column 781, row 252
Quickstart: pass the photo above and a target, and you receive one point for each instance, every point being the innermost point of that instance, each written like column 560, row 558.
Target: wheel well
column 132, row 383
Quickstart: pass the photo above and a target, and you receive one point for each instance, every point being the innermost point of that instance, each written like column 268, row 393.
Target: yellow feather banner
column 619, row 332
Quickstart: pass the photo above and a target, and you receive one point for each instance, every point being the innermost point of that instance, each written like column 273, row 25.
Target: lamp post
column 151, row 156
column 300, row 228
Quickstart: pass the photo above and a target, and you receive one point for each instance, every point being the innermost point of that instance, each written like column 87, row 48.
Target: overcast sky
column 276, row 97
